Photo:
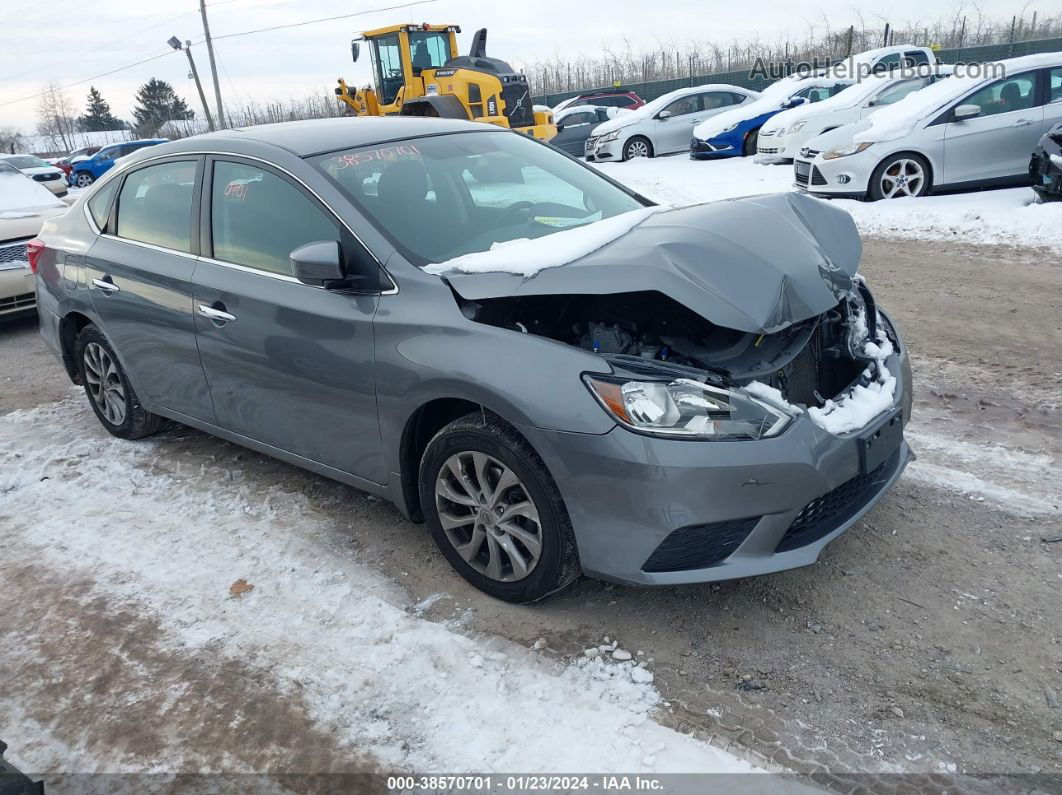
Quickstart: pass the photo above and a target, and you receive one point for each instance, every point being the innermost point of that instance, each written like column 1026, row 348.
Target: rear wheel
column 495, row 512
column 752, row 141
column 109, row 392
column 83, row 179
column 638, row 146
column 901, row 175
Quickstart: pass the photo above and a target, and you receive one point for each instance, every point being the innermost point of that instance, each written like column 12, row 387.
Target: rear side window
column 155, row 205
column 257, row 218
column 1054, row 85
column 99, row 205
column 1004, row 96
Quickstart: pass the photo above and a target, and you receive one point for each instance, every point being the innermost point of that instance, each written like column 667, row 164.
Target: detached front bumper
column 714, row 147
column 654, row 511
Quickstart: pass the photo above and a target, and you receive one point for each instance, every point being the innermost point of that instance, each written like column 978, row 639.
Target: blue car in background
column 84, row 172
column 740, row 138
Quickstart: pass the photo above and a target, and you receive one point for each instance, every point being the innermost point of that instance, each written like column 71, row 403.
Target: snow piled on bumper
column 167, row 539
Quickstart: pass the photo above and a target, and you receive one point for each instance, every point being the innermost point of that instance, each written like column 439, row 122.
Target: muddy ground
column 928, row 638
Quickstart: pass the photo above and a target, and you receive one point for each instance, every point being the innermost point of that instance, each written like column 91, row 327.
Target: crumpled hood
column 755, row 264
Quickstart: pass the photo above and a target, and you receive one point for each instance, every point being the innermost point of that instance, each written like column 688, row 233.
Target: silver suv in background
column 963, row 132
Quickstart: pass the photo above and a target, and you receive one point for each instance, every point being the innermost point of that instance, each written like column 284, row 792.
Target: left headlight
column 607, row 137
column 732, row 127
column 845, row 151
column 797, row 126
column 688, row 409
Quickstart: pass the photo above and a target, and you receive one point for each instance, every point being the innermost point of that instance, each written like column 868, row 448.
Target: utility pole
column 176, row 44
column 213, row 65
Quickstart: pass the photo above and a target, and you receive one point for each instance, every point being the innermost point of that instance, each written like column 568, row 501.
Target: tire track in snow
column 167, row 539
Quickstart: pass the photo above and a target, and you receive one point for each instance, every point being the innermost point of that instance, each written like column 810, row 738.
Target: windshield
column 26, row 161
column 441, row 197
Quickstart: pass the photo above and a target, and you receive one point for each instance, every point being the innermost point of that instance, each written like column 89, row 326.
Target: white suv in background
column 782, row 136
column 963, row 132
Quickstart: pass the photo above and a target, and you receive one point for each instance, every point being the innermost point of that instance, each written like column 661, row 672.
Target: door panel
column 673, row 134
column 998, row 142
column 288, row 364
column 143, row 293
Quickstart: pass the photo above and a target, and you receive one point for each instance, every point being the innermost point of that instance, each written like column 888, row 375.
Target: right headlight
column 797, row 126
column 732, row 127
column 687, row 409
column 612, row 136
column 845, row 151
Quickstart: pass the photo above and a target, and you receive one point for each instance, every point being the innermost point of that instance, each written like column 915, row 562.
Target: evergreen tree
column 98, row 114
column 156, row 103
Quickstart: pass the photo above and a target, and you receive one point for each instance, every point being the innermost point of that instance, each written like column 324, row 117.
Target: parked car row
column 38, row 170
column 85, row 169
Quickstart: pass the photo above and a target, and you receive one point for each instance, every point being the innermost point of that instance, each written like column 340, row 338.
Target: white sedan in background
column 24, row 207
column 782, row 137
column 51, row 177
column 664, row 125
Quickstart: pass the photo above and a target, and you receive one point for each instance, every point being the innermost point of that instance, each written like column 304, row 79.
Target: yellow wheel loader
column 418, row 72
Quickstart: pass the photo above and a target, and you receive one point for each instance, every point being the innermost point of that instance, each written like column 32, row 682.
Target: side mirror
column 319, row 263
column 963, row 112
column 355, row 51
column 664, row 115
column 560, row 127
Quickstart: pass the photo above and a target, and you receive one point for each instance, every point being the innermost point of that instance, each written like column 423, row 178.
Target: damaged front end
column 721, row 336
column 1045, row 168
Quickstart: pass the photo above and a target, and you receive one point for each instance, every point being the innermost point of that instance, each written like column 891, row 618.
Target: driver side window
column 683, row 106
column 1004, row 96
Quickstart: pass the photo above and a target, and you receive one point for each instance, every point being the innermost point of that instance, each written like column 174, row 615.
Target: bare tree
column 10, row 140
column 58, row 118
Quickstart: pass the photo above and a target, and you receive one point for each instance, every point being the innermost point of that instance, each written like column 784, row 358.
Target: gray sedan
column 682, row 396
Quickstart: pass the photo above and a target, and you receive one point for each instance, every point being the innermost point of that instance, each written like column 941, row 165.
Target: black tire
column 752, row 141
column 634, row 147
column 876, row 191
column 558, row 561
column 135, row 422
column 83, row 177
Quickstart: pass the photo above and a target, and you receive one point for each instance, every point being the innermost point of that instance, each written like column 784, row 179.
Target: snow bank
column 164, row 534
column 527, row 257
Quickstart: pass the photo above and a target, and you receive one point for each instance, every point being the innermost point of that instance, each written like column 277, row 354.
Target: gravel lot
column 927, row 639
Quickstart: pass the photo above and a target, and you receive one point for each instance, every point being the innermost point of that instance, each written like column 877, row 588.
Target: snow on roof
column 526, row 257
column 74, row 141
column 658, row 104
column 899, row 119
column 771, row 99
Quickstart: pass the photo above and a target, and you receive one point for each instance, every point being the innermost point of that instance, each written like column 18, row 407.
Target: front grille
column 769, row 150
column 13, row 253
column 697, row 145
column 20, row 301
column 516, row 95
column 699, row 546
column 816, row 177
column 824, row 514
column 801, row 172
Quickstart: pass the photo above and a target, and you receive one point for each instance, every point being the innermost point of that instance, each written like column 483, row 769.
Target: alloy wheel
column 637, row 149
column 488, row 516
column 903, row 178
column 84, row 180
column 104, row 383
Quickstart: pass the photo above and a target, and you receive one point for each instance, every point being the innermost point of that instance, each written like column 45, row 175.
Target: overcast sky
column 69, row 40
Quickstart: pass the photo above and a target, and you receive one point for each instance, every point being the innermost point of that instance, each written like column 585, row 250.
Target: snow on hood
column 651, row 108
column 900, row 119
column 770, row 99
column 848, row 98
column 19, row 193
column 756, row 264
column 526, row 257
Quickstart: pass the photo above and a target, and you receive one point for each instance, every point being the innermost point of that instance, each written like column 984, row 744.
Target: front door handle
column 106, row 285
column 1022, row 123
column 217, row 315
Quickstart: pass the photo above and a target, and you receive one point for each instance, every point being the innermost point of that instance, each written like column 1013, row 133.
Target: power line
column 88, row 79
column 322, row 19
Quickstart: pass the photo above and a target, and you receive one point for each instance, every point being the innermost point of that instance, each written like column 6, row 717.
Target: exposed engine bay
column 810, row 361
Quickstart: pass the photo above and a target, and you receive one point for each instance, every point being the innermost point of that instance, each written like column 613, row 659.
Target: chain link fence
column 741, row 77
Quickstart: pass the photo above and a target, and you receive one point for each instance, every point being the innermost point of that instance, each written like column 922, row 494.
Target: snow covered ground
column 183, row 545
column 1006, row 217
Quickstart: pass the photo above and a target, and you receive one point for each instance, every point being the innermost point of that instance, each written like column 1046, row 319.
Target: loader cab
column 400, row 55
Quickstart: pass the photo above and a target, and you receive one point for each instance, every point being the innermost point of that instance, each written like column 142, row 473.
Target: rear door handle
column 106, row 285
column 1022, row 123
column 218, row 315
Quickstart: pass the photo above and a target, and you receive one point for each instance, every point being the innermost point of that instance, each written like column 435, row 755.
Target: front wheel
column 83, row 179
column 495, row 512
column 899, row 176
column 637, row 147
column 109, row 392
column 752, row 142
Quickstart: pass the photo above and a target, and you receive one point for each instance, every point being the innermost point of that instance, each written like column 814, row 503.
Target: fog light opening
column 844, row 179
